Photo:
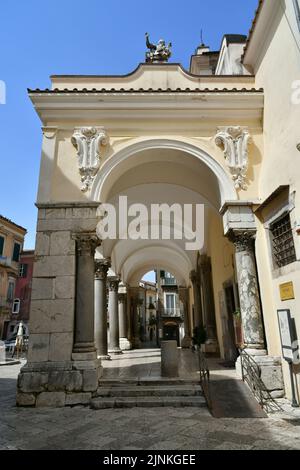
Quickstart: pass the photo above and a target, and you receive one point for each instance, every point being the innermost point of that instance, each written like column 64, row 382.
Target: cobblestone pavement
column 136, row 428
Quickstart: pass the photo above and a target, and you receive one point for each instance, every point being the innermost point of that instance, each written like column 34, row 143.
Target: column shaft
column 101, row 269
column 114, row 345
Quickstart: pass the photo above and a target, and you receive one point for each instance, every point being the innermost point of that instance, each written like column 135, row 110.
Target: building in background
column 22, row 297
column 11, row 245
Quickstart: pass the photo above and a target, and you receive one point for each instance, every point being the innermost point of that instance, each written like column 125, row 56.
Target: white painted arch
column 105, row 179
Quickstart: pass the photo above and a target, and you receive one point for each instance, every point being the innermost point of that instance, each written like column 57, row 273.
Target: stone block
column 52, row 266
column 65, row 380
column 169, row 359
column 61, row 345
column 29, row 382
column 54, row 316
column 64, row 287
column 42, row 288
column 38, row 350
column 272, row 377
column 90, row 380
column 61, row 243
column 42, row 244
column 55, row 213
column 25, row 399
column 78, row 398
column 73, row 225
column 51, row 399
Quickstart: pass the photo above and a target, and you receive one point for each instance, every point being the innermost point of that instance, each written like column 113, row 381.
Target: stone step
column 147, row 402
column 147, row 381
column 150, row 391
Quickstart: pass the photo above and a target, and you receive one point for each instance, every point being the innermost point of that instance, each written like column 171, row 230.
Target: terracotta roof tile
column 250, row 34
column 11, row 222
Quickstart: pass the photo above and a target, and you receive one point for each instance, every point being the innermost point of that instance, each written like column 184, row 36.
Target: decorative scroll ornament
column 234, row 142
column 88, row 142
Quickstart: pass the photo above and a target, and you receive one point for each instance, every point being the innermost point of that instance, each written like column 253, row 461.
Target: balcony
column 5, row 261
column 168, row 281
column 171, row 313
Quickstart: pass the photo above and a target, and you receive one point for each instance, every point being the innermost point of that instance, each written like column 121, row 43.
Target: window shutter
column 1, row 245
column 16, row 252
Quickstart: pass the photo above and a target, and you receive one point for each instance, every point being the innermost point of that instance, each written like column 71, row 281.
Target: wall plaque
column 287, row 291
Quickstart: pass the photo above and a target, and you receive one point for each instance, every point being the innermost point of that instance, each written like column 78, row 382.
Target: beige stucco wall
column 277, row 66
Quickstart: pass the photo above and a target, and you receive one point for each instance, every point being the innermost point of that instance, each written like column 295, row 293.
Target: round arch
column 103, row 182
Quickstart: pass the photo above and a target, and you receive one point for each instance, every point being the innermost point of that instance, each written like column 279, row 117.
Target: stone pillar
column 124, row 342
column 211, row 344
column 248, row 290
column 197, row 299
column 114, row 345
column 101, row 269
column 183, row 296
column 84, row 341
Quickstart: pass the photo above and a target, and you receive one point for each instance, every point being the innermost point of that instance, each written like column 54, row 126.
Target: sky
column 41, row 38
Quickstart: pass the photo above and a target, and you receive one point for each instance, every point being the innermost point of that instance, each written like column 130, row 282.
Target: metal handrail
column 251, row 375
column 204, row 376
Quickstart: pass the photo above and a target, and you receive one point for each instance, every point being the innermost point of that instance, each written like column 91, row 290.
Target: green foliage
column 199, row 335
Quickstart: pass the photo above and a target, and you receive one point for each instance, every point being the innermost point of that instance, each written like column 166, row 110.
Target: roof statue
column 157, row 53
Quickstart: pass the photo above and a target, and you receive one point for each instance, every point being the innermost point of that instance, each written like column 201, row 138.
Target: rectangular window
column 23, row 270
column 1, row 245
column 283, row 247
column 10, row 291
column 16, row 252
column 16, row 307
column 170, row 301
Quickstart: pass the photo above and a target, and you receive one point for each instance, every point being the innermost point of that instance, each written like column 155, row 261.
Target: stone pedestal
column 169, row 359
column 101, row 269
column 114, row 344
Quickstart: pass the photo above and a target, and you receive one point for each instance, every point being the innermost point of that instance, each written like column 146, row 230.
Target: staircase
column 148, row 393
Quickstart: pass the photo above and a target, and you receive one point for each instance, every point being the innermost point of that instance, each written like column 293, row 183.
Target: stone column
column 114, row 345
column 101, row 269
column 197, row 299
column 248, row 290
column 124, row 342
column 84, row 341
column 183, row 296
column 211, row 344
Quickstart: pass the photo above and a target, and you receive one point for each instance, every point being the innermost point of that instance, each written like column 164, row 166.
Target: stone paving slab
column 136, row 428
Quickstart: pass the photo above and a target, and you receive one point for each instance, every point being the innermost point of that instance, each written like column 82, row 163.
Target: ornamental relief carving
column 88, row 142
column 234, row 141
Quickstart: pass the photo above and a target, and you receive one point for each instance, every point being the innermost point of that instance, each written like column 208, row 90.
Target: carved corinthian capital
column 88, row 142
column 101, row 268
column 234, row 142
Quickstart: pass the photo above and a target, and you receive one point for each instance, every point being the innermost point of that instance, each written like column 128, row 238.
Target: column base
column 186, row 342
column 84, row 356
column 106, row 357
column 115, row 351
column 125, row 344
column 211, row 346
column 271, row 372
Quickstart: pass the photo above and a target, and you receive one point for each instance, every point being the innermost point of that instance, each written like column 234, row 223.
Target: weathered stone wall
column 51, row 377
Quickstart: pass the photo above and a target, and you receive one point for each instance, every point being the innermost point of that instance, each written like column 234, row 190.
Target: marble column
column 187, row 340
column 209, row 315
column 114, row 344
column 251, row 314
column 101, row 269
column 124, row 342
column 198, row 314
column 84, row 342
